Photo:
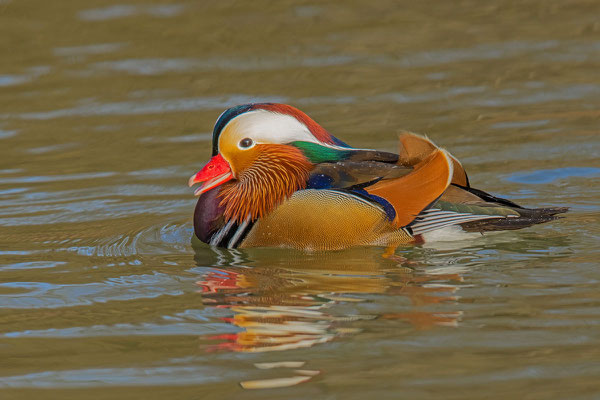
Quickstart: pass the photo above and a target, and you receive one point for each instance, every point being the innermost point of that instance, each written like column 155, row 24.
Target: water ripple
column 150, row 106
column 165, row 239
column 30, row 74
column 551, row 175
column 100, row 48
column 6, row 134
column 47, row 295
column 164, row 375
column 123, row 10
column 471, row 95
column 55, row 178
column 31, row 265
column 128, row 329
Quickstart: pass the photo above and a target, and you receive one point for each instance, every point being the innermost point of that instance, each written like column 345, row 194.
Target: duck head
column 261, row 154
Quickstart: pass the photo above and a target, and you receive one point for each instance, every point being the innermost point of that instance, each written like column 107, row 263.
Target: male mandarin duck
column 278, row 179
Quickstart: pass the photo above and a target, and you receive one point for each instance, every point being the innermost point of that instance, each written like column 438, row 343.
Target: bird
column 277, row 178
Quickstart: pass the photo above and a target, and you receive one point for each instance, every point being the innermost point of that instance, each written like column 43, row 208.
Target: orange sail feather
column 412, row 193
column 414, row 148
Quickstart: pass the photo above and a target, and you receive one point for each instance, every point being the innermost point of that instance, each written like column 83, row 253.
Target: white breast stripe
column 240, row 230
column 217, row 237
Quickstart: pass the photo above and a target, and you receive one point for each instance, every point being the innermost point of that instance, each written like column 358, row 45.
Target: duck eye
column 247, row 142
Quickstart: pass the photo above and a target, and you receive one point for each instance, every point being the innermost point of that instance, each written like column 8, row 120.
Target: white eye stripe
column 264, row 126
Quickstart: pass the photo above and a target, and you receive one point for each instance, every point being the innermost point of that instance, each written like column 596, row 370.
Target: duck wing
column 403, row 185
column 458, row 204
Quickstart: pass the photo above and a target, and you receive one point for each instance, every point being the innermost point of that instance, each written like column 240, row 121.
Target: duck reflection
column 287, row 299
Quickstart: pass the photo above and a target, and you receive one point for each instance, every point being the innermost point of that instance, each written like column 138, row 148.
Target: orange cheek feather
column 265, row 176
column 240, row 160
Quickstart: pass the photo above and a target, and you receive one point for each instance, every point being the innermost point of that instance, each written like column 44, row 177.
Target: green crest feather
column 317, row 153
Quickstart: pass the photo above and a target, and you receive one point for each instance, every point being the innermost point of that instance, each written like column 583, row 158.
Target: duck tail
column 527, row 217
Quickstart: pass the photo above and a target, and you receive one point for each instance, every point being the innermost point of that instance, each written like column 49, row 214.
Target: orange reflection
column 289, row 303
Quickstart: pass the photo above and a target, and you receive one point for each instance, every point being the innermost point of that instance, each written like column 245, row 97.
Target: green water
column 106, row 109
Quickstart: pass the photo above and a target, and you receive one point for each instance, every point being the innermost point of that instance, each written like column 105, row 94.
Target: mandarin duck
column 278, row 179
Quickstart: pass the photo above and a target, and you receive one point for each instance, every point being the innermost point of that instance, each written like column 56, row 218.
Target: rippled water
column 106, row 109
